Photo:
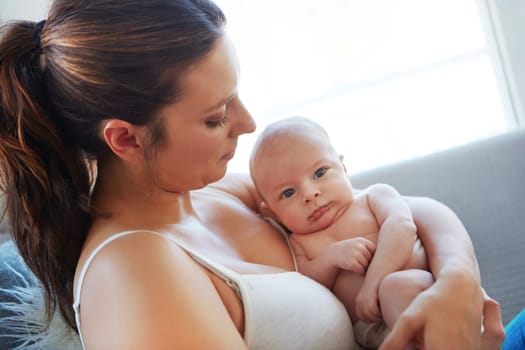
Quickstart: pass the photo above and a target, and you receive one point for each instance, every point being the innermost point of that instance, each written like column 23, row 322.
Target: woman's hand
column 493, row 329
column 448, row 316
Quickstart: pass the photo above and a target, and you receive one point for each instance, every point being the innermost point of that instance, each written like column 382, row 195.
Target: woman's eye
column 319, row 172
column 212, row 124
column 288, row 193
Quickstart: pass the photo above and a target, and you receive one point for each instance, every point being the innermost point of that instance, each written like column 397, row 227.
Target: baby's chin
column 313, row 228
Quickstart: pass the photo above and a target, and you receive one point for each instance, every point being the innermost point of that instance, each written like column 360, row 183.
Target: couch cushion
column 483, row 182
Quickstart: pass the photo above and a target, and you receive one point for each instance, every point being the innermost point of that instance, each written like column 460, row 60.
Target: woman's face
column 202, row 128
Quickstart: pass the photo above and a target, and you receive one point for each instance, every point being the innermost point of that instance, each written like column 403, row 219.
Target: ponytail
column 59, row 81
column 46, row 180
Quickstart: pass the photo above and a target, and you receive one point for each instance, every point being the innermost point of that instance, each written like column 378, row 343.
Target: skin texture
column 153, row 295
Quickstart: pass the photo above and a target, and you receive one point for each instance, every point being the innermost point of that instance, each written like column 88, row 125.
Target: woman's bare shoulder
column 239, row 185
column 143, row 291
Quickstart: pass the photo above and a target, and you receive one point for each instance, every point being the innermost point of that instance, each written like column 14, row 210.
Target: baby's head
column 299, row 175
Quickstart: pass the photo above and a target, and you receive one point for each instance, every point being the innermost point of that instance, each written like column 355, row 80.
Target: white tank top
column 282, row 311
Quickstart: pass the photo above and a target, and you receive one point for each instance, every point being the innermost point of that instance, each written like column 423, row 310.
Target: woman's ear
column 124, row 139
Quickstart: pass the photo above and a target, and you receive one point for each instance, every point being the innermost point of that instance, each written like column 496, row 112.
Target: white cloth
column 285, row 310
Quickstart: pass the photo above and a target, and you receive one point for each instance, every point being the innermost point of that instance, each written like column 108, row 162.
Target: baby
column 363, row 245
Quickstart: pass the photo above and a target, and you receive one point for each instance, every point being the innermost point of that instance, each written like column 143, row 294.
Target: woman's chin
column 216, row 176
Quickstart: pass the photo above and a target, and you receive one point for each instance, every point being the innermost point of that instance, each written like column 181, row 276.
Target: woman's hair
column 90, row 61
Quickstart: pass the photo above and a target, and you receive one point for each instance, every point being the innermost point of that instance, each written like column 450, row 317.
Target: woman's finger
column 405, row 329
column 493, row 330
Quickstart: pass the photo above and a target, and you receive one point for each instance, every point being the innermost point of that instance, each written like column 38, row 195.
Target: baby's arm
column 350, row 254
column 395, row 242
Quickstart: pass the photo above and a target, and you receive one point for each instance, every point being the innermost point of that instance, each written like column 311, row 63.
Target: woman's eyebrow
column 221, row 103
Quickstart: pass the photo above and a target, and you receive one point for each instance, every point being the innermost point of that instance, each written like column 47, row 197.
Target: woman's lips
column 228, row 156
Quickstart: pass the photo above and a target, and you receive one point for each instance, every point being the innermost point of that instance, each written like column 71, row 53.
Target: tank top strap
column 229, row 276
column 222, row 271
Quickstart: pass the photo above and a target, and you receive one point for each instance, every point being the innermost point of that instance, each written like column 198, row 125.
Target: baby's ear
column 341, row 158
column 265, row 210
column 264, row 207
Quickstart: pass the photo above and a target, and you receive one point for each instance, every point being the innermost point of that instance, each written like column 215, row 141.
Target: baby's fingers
column 366, row 250
column 357, row 264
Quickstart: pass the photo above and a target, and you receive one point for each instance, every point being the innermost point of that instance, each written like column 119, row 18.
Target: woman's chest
column 239, row 233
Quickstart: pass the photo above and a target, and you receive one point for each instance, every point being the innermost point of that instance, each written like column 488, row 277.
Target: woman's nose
column 243, row 120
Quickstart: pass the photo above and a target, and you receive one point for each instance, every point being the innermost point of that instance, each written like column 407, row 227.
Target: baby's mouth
column 319, row 212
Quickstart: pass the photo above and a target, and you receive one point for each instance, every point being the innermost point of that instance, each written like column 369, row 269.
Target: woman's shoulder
column 141, row 281
column 235, row 185
column 122, row 248
column 115, row 256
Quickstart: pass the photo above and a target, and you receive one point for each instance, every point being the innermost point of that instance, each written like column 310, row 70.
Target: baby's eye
column 319, row 172
column 288, row 193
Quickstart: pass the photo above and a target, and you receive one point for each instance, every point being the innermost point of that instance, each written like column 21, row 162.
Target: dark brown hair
column 93, row 60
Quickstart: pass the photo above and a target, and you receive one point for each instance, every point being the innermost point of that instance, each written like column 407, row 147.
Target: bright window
column 389, row 80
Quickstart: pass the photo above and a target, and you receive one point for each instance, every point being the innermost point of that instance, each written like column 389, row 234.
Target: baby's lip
column 319, row 212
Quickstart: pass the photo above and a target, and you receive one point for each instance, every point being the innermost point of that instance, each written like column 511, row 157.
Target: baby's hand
column 367, row 303
column 353, row 254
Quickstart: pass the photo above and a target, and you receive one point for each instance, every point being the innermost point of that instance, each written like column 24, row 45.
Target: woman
column 116, row 116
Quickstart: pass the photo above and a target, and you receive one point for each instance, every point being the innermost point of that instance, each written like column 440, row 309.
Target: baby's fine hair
column 282, row 127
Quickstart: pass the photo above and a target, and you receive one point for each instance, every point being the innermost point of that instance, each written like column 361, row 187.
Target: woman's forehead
column 214, row 79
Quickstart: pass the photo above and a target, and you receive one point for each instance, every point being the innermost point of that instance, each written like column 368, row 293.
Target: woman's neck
column 127, row 193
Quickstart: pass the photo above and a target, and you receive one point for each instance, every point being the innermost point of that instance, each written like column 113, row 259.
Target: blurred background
column 389, row 80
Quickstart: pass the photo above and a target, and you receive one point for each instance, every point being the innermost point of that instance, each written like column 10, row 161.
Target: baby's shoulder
column 377, row 190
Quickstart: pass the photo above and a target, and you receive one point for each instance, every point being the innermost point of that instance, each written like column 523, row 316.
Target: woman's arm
column 448, row 315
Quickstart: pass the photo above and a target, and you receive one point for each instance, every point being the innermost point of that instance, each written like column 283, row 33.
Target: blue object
column 515, row 333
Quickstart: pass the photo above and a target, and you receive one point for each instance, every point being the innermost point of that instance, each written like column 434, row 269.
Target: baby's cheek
column 293, row 219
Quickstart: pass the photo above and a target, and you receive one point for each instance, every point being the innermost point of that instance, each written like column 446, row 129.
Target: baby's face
column 303, row 181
